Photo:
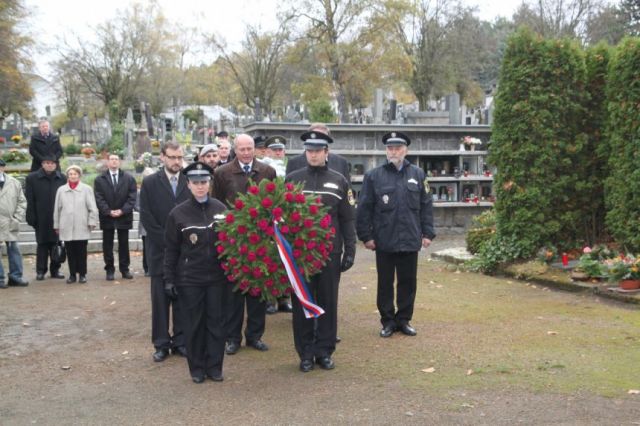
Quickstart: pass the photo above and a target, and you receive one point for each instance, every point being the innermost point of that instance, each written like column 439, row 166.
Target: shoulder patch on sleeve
column 427, row 189
column 352, row 200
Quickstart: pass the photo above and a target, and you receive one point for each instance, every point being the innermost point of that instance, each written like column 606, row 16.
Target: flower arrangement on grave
column 16, row 138
column 623, row 267
column 155, row 143
column 87, row 150
column 469, row 141
column 15, row 156
column 274, row 235
column 2, row 140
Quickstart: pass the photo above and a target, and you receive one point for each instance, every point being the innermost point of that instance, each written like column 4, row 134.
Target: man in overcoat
column 43, row 144
column 12, row 210
column 159, row 194
column 41, row 187
column 230, row 180
column 115, row 192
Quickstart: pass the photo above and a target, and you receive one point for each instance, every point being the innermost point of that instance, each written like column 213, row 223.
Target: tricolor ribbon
column 311, row 310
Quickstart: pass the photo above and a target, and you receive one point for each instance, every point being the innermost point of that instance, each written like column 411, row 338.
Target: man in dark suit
column 159, row 194
column 115, row 192
column 229, row 181
column 41, row 188
column 44, row 144
column 334, row 161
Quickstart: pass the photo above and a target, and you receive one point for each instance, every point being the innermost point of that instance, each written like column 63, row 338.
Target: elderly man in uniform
column 395, row 219
column 229, row 181
column 209, row 155
column 317, row 339
column 161, row 192
column 12, row 211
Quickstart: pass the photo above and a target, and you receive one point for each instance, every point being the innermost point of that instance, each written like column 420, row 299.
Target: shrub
column 321, row 111
column 72, row 149
column 481, row 230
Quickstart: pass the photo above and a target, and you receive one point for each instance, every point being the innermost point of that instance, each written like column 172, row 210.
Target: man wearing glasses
column 159, row 194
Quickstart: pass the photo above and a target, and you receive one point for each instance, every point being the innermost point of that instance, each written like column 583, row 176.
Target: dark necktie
column 115, row 179
column 246, row 169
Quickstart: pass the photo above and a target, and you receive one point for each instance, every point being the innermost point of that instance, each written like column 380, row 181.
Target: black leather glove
column 171, row 291
column 347, row 263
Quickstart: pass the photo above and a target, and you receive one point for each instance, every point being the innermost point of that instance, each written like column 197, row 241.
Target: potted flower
column 16, row 139
column 625, row 269
column 87, row 150
column 2, row 140
column 155, row 145
column 470, row 143
column 589, row 266
column 139, row 165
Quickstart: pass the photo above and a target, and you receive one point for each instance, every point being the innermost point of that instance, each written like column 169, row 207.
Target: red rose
column 272, row 267
column 245, row 269
column 254, row 190
column 239, row 205
column 261, row 251
column 253, row 212
column 295, row 216
column 222, row 236
column 257, row 273
column 233, row 261
column 268, row 283
column 231, row 278
column 328, row 236
column 284, row 279
column 330, row 247
column 220, row 249
column 308, row 258
column 289, row 197
column 319, row 200
column 300, row 198
column 284, row 229
column 288, row 290
column 313, row 234
column 251, row 256
column 317, row 264
column 311, row 245
column 266, row 202
column 325, row 222
column 289, row 186
column 242, row 229
column 298, row 242
column 232, row 241
column 243, row 285
column 224, row 266
column 254, row 238
column 267, row 260
column 297, row 253
column 295, row 229
column 308, row 223
column 333, row 230
column 313, row 209
column 269, row 231
column 277, row 212
column 270, row 187
column 321, row 247
column 230, row 218
column 244, row 249
column 263, row 224
column 255, row 291
column 275, row 292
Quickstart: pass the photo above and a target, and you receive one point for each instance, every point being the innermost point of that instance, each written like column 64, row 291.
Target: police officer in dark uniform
column 192, row 271
column 319, row 340
column 395, row 219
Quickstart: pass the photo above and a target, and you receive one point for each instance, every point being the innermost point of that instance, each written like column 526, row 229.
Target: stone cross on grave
column 129, row 128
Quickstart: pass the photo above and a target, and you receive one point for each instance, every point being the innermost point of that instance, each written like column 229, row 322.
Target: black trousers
column 317, row 337
column 256, row 316
column 77, row 256
column 43, row 254
column 160, row 306
column 404, row 265
column 203, row 308
column 145, row 266
column 123, row 249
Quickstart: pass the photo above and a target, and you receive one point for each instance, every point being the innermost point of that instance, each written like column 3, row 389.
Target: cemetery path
column 488, row 351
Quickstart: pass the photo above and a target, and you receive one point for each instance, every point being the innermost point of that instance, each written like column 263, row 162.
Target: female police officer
column 193, row 274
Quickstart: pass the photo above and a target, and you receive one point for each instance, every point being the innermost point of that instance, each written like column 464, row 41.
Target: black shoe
column 147, row 274
column 271, row 309
column 387, row 330
column 71, row 279
column 83, row 279
column 197, row 379
column 57, row 275
column 325, row 362
column 232, row 348
column 160, row 355
column 306, row 365
column 407, row 329
column 179, row 350
column 285, row 307
column 259, row 345
column 338, row 339
column 127, row 275
column 39, row 277
column 13, row 282
column 110, row 276
column 216, row 377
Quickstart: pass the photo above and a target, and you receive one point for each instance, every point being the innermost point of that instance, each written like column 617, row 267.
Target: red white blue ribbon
column 311, row 310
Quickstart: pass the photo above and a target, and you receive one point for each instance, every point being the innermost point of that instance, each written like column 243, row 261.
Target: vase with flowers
column 470, row 143
column 625, row 270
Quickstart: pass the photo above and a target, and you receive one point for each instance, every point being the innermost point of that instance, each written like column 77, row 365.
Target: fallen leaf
column 533, row 286
column 633, row 392
column 363, row 288
column 58, row 335
column 125, row 353
column 539, row 317
column 552, row 333
column 75, row 318
column 465, row 405
column 105, row 298
column 26, row 324
column 409, row 413
column 428, row 370
column 112, row 303
column 439, row 286
column 457, row 271
column 469, row 372
column 509, row 282
column 116, row 282
column 432, row 282
column 66, row 367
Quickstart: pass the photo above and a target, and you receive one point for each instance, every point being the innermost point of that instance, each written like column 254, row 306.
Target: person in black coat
column 157, row 198
column 115, row 192
column 334, row 161
column 44, row 144
column 40, row 190
column 193, row 274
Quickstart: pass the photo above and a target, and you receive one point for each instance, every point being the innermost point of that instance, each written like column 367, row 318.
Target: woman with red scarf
column 75, row 215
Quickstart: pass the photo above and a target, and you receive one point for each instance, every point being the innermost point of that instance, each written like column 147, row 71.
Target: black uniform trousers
column 160, row 305
column 145, row 266
column 203, row 308
column 256, row 316
column 405, row 266
column 43, row 254
column 76, row 256
column 317, row 337
column 123, row 249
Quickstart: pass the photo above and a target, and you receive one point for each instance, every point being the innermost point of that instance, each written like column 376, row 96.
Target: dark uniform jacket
column 40, row 191
column 230, row 179
column 336, row 193
column 41, row 146
column 334, row 161
column 122, row 197
column 156, row 201
column 191, row 258
column 395, row 209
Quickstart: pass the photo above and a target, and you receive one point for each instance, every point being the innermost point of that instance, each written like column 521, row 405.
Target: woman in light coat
column 75, row 215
